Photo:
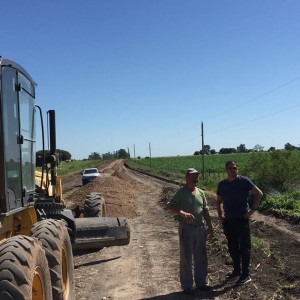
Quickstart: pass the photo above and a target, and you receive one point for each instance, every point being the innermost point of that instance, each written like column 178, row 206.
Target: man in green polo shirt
column 189, row 203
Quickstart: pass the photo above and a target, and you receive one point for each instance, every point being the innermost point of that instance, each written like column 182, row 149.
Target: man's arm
column 187, row 216
column 257, row 194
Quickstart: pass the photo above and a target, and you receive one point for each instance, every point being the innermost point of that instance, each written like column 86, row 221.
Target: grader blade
column 93, row 233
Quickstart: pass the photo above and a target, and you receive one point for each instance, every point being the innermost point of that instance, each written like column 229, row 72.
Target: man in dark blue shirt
column 233, row 194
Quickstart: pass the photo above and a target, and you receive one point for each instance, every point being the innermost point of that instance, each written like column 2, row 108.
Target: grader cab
column 37, row 232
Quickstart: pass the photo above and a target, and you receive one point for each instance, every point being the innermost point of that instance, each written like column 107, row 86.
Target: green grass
column 72, row 167
column 212, row 163
column 261, row 244
column 174, row 167
column 284, row 205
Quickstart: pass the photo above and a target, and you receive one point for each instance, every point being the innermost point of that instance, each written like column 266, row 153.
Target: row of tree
column 123, row 154
column 66, row 156
column 241, row 149
column 62, row 154
column 117, row 154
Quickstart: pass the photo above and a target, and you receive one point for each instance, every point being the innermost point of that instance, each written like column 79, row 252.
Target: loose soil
column 148, row 267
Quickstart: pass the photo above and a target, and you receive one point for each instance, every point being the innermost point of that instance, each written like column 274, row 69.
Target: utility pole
column 134, row 150
column 150, row 153
column 202, row 134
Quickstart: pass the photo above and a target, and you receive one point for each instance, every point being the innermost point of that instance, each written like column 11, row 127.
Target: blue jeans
column 237, row 232
column 192, row 240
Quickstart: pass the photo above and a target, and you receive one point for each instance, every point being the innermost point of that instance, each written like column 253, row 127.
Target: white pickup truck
column 89, row 174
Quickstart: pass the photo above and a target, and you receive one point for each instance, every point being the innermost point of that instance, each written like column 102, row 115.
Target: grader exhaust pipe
column 92, row 232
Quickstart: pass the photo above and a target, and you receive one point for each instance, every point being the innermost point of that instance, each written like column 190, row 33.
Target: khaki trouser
column 193, row 253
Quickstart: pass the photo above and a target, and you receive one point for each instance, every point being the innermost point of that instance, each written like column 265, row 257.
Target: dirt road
column 147, row 268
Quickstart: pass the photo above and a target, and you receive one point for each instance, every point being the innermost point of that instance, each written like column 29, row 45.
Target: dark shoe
column 243, row 279
column 190, row 292
column 232, row 276
column 204, row 288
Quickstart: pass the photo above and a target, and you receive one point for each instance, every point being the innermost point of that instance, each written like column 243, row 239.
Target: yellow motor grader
column 37, row 232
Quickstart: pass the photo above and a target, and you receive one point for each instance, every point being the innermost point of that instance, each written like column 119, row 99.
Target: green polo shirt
column 191, row 202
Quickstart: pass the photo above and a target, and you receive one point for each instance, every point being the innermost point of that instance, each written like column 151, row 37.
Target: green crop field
column 174, row 167
column 277, row 174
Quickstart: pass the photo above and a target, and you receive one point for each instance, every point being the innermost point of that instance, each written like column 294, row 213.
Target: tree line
column 241, row 149
column 64, row 155
column 122, row 153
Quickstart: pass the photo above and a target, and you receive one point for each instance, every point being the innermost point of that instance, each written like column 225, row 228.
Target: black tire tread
column 19, row 255
column 51, row 233
column 94, row 205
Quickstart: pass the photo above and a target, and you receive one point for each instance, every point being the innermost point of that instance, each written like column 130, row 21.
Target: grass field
column 213, row 166
column 76, row 166
column 284, row 203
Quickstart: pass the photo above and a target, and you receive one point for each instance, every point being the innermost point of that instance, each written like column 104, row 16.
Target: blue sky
column 125, row 73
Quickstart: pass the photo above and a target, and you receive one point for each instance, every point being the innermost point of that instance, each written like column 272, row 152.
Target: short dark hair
column 230, row 162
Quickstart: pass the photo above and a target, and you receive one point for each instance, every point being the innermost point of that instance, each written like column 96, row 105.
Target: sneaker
column 232, row 276
column 243, row 279
column 204, row 288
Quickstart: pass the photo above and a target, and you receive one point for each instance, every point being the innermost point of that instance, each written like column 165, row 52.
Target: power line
column 241, row 105
column 258, row 118
column 246, row 122
column 257, row 97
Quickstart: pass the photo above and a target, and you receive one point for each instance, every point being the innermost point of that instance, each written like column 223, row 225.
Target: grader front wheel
column 94, row 205
column 55, row 239
column 24, row 272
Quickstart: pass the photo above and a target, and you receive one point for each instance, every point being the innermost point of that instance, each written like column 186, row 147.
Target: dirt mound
column 116, row 169
column 117, row 188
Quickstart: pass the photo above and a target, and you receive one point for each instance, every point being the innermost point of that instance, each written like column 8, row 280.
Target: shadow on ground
column 217, row 290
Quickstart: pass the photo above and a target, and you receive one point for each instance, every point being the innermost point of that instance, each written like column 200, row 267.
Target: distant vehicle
column 89, row 175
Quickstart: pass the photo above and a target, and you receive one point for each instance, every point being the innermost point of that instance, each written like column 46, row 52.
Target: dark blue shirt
column 235, row 196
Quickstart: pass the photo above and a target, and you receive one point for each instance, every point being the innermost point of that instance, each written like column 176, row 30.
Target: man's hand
column 187, row 216
column 249, row 213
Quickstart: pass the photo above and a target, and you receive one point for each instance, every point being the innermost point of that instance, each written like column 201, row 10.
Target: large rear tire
column 24, row 271
column 56, row 241
column 94, row 206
